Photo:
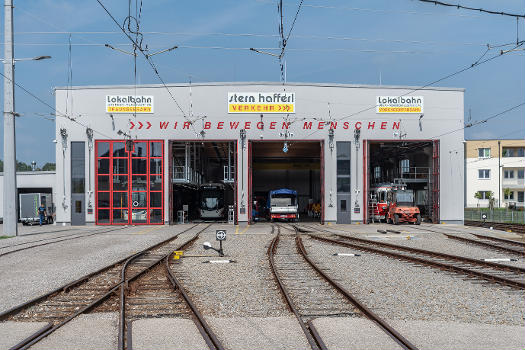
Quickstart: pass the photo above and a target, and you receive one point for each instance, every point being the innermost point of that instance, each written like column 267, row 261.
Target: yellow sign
column 128, row 109
column 178, row 254
column 261, row 102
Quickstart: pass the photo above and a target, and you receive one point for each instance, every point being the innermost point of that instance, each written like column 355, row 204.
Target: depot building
column 155, row 154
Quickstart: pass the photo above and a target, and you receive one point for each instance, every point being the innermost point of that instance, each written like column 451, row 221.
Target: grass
column 2, row 237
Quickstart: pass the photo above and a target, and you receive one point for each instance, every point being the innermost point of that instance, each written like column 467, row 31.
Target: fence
column 496, row 215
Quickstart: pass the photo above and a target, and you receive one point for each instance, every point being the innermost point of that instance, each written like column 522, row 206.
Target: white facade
column 489, row 168
column 207, row 105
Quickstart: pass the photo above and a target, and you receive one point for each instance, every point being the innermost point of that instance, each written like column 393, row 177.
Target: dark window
column 120, row 199
column 484, row 174
column 520, row 196
column 343, row 184
column 103, row 199
column 141, row 149
column 120, row 216
column 139, row 166
column 156, row 216
column 120, row 166
column 120, row 183
column 155, row 149
column 520, row 174
column 343, row 205
column 155, row 166
column 155, row 199
column 78, row 207
column 343, row 167
column 103, row 183
column 103, row 216
column 103, row 149
column 140, row 183
column 156, row 183
column 78, row 170
column 119, row 149
column 509, row 174
column 510, row 196
column 103, row 166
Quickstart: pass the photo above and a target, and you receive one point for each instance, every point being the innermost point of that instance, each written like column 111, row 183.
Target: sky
column 392, row 42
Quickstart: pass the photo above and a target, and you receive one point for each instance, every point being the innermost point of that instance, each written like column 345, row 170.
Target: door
column 343, row 182
column 78, row 181
column 78, row 209
column 129, row 187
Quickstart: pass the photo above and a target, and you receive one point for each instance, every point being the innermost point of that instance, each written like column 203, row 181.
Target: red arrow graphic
column 149, row 125
column 140, row 125
column 132, row 125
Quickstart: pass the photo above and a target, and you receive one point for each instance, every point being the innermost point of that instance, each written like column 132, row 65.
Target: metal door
column 78, row 180
column 343, row 209
column 78, row 209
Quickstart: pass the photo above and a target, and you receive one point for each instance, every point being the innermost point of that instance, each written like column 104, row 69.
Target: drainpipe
column 499, row 174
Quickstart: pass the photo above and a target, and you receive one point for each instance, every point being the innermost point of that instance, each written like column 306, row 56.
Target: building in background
column 497, row 167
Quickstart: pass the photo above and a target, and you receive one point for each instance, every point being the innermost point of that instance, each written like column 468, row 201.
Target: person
column 41, row 213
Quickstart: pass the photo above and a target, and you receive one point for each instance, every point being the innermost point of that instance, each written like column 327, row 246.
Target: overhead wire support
column 146, row 56
column 458, row 6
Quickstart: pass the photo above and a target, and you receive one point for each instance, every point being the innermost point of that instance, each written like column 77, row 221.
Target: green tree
column 21, row 166
column 49, row 167
column 1, row 166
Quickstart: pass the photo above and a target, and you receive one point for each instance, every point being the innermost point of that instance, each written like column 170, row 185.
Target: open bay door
column 435, row 181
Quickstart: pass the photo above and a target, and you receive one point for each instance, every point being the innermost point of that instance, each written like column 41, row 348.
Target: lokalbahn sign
column 129, row 104
column 247, row 125
column 261, row 102
column 399, row 104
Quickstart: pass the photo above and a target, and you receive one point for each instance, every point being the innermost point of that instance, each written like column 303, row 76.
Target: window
column 484, row 174
column 508, row 174
column 510, row 196
column 513, row 152
column 129, row 186
column 520, row 196
column 405, row 166
column 343, row 167
column 377, row 172
column 484, row 152
column 520, row 174
column 485, row 194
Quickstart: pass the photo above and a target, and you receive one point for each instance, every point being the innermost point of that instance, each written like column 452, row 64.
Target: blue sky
column 406, row 42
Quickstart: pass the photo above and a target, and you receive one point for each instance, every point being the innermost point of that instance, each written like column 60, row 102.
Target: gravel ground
column 399, row 290
column 244, row 288
column 439, row 243
column 30, row 273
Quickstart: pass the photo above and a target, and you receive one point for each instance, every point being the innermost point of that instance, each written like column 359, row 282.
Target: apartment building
column 495, row 166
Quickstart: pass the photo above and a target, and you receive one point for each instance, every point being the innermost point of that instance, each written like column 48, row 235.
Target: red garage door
column 129, row 182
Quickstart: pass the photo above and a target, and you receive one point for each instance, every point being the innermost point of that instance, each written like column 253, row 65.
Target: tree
column 49, row 167
column 490, row 196
column 1, row 166
column 21, row 166
column 478, row 196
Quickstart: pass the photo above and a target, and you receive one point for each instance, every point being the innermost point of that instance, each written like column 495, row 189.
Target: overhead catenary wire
column 57, row 113
column 477, row 9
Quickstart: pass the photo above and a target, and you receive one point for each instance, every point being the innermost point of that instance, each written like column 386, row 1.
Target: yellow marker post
column 178, row 254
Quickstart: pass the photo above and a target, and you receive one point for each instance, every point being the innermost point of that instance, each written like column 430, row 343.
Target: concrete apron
column 360, row 333
column 11, row 332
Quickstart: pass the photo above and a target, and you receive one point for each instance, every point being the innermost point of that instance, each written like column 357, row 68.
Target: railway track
column 157, row 294
column 310, row 292
column 510, row 276
column 489, row 242
column 98, row 291
column 518, row 228
column 52, row 240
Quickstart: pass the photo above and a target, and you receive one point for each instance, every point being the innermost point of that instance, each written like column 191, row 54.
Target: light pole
column 10, row 200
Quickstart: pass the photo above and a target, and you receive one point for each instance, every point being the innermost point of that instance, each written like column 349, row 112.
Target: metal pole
column 10, row 201
column 499, row 174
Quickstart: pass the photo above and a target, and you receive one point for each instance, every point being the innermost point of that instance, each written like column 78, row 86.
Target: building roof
column 347, row 86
